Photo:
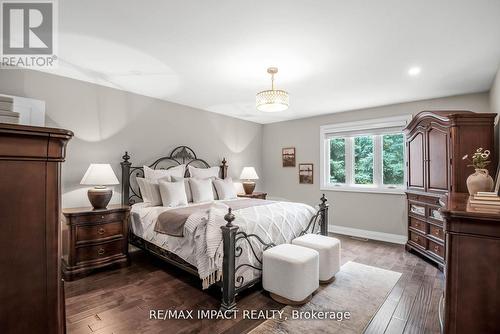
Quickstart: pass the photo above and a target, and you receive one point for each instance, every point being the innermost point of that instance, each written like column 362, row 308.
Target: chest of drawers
column 425, row 227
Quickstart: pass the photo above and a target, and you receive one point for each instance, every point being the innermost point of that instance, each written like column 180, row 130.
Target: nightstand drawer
column 97, row 232
column 98, row 218
column 101, row 251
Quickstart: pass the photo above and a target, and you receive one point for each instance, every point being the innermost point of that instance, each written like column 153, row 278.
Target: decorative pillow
column 186, row 185
column 202, row 190
column 173, row 193
column 150, row 191
column 225, row 188
column 203, row 173
column 155, row 174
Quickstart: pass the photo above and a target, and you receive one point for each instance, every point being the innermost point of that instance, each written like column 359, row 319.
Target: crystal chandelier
column 272, row 100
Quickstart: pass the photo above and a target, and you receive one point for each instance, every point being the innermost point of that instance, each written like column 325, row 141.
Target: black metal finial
column 229, row 217
column 126, row 157
column 323, row 199
column 224, row 161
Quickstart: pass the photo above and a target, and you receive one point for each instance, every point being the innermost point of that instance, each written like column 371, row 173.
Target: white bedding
column 277, row 222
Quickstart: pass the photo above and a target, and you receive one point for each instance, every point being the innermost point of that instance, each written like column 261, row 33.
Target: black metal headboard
column 179, row 155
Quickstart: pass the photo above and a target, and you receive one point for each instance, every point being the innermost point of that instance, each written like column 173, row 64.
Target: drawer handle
column 101, row 231
column 436, row 249
column 100, row 251
column 102, row 217
column 417, row 238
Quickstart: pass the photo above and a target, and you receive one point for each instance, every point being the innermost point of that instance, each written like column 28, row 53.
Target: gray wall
column 373, row 212
column 495, row 94
column 107, row 122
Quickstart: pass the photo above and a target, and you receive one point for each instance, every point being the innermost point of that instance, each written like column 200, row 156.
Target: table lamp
column 248, row 174
column 99, row 176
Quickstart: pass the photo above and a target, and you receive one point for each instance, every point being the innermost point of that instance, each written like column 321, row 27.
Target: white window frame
column 349, row 130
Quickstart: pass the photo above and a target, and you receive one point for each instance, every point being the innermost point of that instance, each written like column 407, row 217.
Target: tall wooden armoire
column 436, row 141
column 31, row 289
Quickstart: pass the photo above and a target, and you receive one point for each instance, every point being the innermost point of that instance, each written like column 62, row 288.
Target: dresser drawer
column 436, row 232
column 418, row 224
column 424, row 199
column 418, row 239
column 435, row 214
column 97, row 232
column 101, row 251
column 436, row 249
column 98, row 218
column 417, row 209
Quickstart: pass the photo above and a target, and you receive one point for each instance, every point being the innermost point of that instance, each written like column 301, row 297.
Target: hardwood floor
column 119, row 301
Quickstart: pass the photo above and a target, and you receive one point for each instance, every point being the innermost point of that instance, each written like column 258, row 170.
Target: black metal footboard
column 231, row 282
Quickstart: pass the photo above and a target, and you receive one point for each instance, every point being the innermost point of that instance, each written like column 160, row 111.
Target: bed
column 238, row 236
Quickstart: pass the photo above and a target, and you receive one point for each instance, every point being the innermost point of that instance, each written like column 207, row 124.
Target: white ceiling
column 332, row 55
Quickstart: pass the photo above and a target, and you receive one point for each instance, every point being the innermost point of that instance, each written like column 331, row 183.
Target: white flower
column 487, row 152
column 479, row 149
column 465, row 157
column 484, row 155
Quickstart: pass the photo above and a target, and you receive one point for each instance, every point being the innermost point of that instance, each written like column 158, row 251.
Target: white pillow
column 155, row 174
column 225, row 188
column 202, row 190
column 203, row 173
column 173, row 193
column 150, row 191
column 186, row 185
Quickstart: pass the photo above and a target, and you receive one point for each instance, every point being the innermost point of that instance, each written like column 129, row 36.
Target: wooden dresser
column 436, row 141
column 94, row 239
column 472, row 275
column 31, row 289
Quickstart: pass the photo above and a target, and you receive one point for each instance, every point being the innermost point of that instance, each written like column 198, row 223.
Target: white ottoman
column 290, row 273
column 329, row 254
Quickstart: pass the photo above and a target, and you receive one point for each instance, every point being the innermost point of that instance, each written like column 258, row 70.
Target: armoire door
column 437, row 159
column 415, row 154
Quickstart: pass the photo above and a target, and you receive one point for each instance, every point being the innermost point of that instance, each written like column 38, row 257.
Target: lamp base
column 249, row 187
column 99, row 197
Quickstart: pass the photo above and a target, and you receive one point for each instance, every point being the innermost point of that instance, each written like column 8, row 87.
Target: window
column 363, row 160
column 337, row 160
column 364, row 156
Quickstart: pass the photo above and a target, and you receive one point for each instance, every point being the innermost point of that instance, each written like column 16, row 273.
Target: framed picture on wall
column 306, row 174
column 288, row 156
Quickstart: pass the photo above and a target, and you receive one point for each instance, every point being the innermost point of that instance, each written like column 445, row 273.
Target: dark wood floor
column 118, row 301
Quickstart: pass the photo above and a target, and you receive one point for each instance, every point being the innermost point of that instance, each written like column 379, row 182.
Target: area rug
column 358, row 289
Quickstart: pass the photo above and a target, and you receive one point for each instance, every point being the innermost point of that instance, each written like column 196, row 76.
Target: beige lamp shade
column 249, row 173
column 99, row 175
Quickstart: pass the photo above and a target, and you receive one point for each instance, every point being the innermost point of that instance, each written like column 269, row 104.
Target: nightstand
column 255, row 194
column 94, row 239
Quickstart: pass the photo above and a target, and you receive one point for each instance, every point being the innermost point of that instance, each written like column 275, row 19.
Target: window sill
column 397, row 191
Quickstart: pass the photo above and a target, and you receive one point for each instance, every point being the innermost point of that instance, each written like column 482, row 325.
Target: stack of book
column 7, row 115
column 485, row 200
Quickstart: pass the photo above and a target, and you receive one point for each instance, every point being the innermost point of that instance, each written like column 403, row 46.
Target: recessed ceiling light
column 414, row 71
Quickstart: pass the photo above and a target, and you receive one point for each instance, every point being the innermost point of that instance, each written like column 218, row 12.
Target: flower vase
column 479, row 181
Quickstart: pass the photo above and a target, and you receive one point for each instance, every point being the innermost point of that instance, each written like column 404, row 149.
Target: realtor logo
column 28, row 34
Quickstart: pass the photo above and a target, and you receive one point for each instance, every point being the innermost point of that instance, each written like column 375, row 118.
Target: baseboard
column 388, row 237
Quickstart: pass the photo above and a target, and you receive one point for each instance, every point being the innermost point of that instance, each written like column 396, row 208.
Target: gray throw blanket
column 172, row 222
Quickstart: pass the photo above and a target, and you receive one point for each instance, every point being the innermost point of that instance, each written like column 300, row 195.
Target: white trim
column 369, row 124
column 361, row 189
column 374, row 235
